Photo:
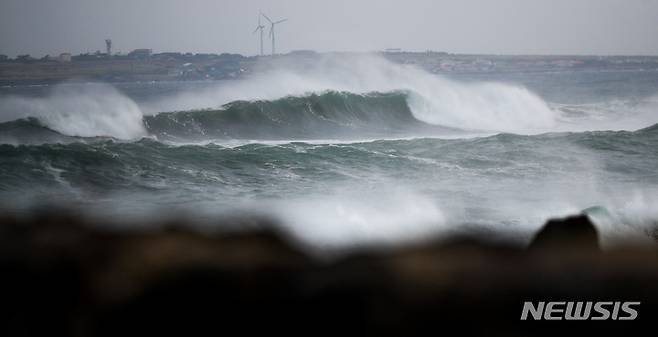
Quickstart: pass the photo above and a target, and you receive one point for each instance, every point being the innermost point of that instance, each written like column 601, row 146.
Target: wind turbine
column 260, row 27
column 272, row 35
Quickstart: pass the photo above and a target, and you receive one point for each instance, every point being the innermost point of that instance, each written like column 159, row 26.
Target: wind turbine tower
column 260, row 27
column 272, row 35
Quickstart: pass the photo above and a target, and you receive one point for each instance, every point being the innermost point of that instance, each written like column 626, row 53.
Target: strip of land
column 25, row 70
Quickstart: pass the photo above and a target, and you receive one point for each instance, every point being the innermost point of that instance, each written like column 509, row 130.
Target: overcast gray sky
column 40, row 27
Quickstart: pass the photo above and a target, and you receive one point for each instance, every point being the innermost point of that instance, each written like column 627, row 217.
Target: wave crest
column 333, row 97
column 83, row 111
column 328, row 114
column 432, row 98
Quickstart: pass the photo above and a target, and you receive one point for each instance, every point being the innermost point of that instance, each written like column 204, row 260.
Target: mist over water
column 343, row 150
column 84, row 111
column 432, row 99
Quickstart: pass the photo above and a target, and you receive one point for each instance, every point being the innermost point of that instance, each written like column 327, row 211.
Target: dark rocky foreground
column 62, row 276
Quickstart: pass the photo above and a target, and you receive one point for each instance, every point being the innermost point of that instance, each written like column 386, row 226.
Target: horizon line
column 357, row 52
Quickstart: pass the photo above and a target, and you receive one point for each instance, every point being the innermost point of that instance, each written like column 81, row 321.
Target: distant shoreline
column 175, row 67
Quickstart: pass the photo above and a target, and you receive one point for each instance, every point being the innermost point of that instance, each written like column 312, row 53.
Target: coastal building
column 64, row 57
column 141, row 53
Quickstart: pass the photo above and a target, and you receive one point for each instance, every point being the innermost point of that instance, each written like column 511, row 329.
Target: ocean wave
column 328, row 114
column 30, row 131
column 80, row 111
column 336, row 96
column 335, row 115
column 322, row 115
column 120, row 160
column 433, row 99
column 357, row 185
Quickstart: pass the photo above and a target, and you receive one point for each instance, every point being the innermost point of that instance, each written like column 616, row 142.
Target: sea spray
column 80, row 110
column 432, row 98
column 353, row 192
column 100, row 110
column 344, row 216
column 328, row 115
column 361, row 151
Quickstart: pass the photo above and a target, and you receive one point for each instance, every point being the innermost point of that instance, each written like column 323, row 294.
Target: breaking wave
column 335, row 97
column 329, row 114
column 332, row 191
column 433, row 99
column 83, row 111
column 301, row 153
column 325, row 115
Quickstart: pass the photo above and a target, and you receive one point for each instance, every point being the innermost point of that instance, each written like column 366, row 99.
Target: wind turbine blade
column 281, row 21
column 271, row 30
column 257, row 28
column 265, row 16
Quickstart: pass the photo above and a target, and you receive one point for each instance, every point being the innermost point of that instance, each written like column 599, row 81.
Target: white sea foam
column 616, row 114
column 101, row 110
column 433, row 99
column 80, row 110
column 344, row 218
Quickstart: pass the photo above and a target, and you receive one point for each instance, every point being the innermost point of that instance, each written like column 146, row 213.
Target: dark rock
column 576, row 232
column 62, row 276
